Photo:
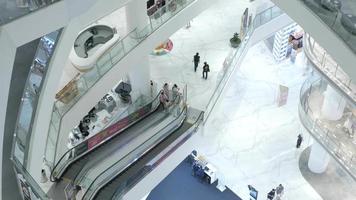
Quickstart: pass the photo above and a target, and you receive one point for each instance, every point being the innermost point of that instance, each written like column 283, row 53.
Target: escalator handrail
column 196, row 124
column 80, row 175
column 106, row 180
column 53, row 178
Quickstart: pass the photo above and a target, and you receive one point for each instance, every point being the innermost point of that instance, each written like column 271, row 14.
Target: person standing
column 299, row 141
column 206, row 69
column 166, row 90
column 196, row 60
column 175, row 92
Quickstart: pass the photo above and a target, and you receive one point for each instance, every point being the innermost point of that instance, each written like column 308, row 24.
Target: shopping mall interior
column 178, row 99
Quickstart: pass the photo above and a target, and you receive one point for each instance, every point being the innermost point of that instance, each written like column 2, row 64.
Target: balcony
column 336, row 136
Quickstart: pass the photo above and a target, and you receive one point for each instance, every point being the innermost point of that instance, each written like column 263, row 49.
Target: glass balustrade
column 337, row 136
column 31, row 93
column 237, row 54
column 108, row 60
column 95, row 183
column 328, row 66
column 13, row 9
column 339, row 15
column 134, row 112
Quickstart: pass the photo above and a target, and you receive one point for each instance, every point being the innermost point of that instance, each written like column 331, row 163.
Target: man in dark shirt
column 271, row 194
column 196, row 61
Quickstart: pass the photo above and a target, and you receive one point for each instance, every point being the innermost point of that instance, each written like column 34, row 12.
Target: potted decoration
column 235, row 41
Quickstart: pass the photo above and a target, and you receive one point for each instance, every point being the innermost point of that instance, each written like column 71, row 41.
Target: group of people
column 276, row 193
column 206, row 67
column 165, row 98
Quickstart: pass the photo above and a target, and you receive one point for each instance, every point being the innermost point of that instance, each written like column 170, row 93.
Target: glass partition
column 235, row 55
column 13, row 9
column 339, row 15
column 337, row 136
column 31, row 93
column 328, row 66
column 108, row 60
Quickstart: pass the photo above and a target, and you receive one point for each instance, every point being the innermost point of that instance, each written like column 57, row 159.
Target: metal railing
column 235, row 56
column 133, row 113
column 320, row 131
column 327, row 66
column 126, row 186
column 177, row 106
column 111, row 57
column 112, row 171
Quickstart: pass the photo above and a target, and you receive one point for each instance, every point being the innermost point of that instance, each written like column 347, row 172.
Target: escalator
column 113, row 146
column 73, row 161
column 117, row 179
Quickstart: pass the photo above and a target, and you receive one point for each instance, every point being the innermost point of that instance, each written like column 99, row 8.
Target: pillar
column 136, row 15
column 318, row 159
column 333, row 105
column 139, row 77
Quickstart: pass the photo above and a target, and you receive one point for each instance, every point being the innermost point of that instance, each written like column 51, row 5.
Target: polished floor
column 248, row 137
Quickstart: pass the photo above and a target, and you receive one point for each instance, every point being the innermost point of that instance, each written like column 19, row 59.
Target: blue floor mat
column 181, row 185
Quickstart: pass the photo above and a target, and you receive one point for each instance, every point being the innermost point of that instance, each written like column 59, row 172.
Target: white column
column 318, row 158
column 333, row 105
column 139, row 77
column 136, row 15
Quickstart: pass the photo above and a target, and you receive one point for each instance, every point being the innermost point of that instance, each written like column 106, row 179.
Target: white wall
column 323, row 34
column 7, row 56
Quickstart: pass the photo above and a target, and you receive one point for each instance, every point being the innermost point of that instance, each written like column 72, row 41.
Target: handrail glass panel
column 328, row 66
column 94, row 184
column 337, row 142
column 234, row 56
column 133, row 113
column 31, row 93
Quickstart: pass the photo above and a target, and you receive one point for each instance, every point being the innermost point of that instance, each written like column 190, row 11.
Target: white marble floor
column 209, row 35
column 248, row 137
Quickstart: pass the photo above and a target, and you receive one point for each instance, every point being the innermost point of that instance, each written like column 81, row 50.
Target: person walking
column 271, row 194
column 299, row 141
column 206, row 69
column 196, row 60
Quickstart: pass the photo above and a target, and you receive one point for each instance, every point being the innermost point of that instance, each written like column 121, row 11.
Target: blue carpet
column 181, row 185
